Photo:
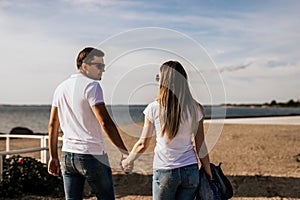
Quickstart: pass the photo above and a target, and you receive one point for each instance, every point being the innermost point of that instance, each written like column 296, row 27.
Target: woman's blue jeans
column 180, row 183
column 76, row 168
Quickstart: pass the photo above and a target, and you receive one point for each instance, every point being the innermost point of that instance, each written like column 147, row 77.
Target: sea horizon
column 36, row 117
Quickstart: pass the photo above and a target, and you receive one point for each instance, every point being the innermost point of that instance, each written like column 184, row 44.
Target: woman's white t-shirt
column 177, row 152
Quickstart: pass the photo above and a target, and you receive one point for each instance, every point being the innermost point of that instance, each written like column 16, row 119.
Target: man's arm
column 109, row 126
column 53, row 166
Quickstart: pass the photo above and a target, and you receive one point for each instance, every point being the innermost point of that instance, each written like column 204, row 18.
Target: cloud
column 92, row 2
column 237, row 67
column 102, row 3
column 277, row 63
column 5, row 3
column 20, row 4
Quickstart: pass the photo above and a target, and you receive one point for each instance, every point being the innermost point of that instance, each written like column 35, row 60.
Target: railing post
column 43, row 144
column 44, row 153
column 1, row 168
column 7, row 145
column 43, row 156
column 47, row 155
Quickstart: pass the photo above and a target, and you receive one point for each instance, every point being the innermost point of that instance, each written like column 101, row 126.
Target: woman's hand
column 126, row 165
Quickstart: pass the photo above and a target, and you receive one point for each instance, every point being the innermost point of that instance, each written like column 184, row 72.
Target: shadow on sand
column 243, row 186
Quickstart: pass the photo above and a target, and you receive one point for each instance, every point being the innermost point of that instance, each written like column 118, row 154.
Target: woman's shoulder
column 153, row 104
column 202, row 110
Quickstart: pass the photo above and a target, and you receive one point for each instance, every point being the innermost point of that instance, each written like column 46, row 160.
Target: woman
column 177, row 120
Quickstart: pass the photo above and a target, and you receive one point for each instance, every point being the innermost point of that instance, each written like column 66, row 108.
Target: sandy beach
column 259, row 159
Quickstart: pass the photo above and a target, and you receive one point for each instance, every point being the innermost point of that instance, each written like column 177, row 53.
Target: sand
column 260, row 161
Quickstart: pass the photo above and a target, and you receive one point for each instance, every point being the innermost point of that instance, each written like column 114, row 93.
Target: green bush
column 26, row 175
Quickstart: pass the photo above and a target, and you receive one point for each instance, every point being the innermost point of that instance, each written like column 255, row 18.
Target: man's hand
column 53, row 167
column 126, row 166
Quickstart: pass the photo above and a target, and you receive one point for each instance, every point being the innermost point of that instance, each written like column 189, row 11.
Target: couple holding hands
column 78, row 109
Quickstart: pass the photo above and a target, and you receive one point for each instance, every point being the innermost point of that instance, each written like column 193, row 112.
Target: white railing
column 43, row 148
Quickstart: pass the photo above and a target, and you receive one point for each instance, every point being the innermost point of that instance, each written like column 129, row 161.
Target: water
column 32, row 117
column 36, row 117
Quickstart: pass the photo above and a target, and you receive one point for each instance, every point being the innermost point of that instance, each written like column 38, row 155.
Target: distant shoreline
column 273, row 104
column 36, row 117
column 240, row 117
column 252, row 120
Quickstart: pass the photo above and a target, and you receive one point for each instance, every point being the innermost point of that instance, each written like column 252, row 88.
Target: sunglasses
column 98, row 65
column 157, row 77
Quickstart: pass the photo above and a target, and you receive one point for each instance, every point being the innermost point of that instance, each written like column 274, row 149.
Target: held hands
column 126, row 165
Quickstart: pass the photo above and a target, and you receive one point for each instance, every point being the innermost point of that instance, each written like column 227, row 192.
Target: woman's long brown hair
column 175, row 98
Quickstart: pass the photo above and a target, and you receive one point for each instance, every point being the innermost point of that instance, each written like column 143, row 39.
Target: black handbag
column 219, row 188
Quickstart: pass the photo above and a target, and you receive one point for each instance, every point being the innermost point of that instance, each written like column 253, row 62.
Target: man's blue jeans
column 76, row 168
column 180, row 183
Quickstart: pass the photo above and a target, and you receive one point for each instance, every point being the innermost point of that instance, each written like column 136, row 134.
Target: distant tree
column 291, row 103
column 21, row 130
column 273, row 103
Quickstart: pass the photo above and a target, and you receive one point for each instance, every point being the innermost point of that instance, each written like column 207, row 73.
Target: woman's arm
column 204, row 157
column 141, row 145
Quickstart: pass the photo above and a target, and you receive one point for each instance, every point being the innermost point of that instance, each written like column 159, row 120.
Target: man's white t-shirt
column 177, row 152
column 74, row 99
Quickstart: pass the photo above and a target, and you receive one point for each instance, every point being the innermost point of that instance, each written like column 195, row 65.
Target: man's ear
column 83, row 66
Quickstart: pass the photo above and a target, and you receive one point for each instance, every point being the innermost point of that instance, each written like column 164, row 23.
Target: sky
column 234, row 51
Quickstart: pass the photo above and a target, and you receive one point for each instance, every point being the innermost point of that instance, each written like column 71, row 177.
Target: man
column 78, row 108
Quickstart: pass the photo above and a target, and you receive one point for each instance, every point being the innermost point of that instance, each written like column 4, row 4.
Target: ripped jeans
column 180, row 183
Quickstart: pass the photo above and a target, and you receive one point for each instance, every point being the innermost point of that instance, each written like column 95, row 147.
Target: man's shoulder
column 88, row 81
column 64, row 82
column 93, row 85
